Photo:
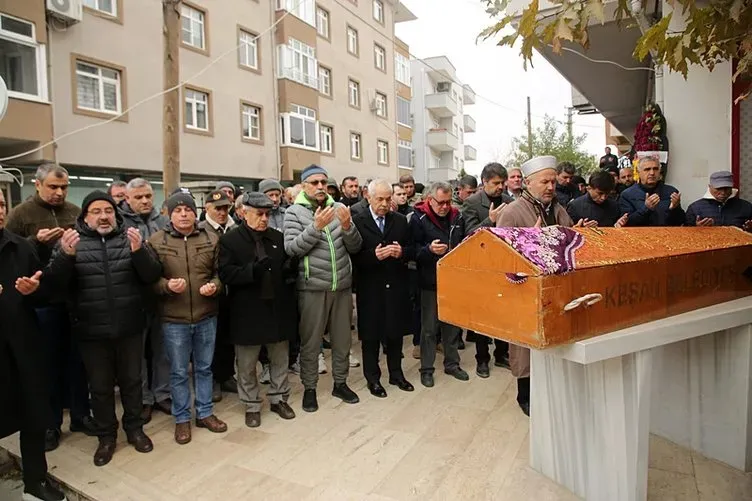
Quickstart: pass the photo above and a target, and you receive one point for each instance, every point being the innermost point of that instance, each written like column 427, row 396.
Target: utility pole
column 171, row 99
column 529, row 130
column 570, row 136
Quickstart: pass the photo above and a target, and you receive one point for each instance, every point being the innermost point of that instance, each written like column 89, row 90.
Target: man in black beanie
column 104, row 269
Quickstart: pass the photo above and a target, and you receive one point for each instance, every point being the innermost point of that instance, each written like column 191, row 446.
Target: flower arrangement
column 650, row 135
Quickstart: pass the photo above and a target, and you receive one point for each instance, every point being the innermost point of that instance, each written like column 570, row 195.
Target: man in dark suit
column 383, row 297
column 482, row 210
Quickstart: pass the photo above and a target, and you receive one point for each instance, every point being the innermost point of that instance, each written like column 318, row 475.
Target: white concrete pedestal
column 687, row 378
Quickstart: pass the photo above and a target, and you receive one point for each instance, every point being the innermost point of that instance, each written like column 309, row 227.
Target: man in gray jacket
column 138, row 212
column 320, row 232
column 272, row 189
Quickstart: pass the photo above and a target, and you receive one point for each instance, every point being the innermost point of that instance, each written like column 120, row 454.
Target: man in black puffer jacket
column 105, row 268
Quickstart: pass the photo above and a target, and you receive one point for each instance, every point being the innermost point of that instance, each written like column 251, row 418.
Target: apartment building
column 440, row 120
column 259, row 100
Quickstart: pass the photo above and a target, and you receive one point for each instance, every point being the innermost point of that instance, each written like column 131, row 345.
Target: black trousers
column 110, row 362
column 393, row 350
column 223, row 363
column 523, row 390
column 67, row 376
column 33, row 459
column 482, row 353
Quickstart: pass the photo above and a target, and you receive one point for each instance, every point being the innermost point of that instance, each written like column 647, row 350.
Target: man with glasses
column 437, row 228
column 321, row 234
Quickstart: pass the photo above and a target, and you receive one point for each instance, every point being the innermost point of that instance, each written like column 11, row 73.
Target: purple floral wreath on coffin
column 550, row 248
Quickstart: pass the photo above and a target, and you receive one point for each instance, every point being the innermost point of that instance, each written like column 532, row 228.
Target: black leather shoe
column 43, row 491
column 502, row 362
column 84, row 425
column 310, row 403
column 525, row 406
column 253, row 419
column 461, row 345
column 426, row 379
column 164, row 406
column 140, row 441
column 104, row 452
column 403, row 384
column 377, row 390
column 229, row 386
column 345, row 393
column 458, row 373
column 146, row 412
column 482, row 370
column 51, row 440
column 283, row 409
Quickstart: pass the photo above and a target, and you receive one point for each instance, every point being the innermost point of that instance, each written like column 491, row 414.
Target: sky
column 450, row 28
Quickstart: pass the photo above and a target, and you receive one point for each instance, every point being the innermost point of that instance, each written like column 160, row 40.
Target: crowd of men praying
column 250, row 291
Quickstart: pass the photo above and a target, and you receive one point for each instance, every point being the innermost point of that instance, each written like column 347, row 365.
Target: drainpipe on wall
column 638, row 12
column 275, row 94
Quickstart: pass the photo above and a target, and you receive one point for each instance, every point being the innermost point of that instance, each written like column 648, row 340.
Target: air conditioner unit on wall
column 444, row 86
column 374, row 105
column 66, row 11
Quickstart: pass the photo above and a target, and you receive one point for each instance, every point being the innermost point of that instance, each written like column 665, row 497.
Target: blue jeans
column 181, row 341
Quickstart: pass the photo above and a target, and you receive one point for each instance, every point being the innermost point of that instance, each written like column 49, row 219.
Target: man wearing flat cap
column 273, row 189
column 320, row 232
column 189, row 290
column 721, row 205
column 261, row 278
column 536, row 207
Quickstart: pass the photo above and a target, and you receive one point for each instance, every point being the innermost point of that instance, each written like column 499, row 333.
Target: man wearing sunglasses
column 321, row 234
column 437, row 228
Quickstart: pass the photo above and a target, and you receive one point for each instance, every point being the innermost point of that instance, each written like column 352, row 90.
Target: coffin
column 543, row 287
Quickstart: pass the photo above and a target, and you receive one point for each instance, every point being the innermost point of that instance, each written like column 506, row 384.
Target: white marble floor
column 458, row 440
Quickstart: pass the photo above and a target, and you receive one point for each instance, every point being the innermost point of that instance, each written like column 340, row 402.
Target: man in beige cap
column 536, row 206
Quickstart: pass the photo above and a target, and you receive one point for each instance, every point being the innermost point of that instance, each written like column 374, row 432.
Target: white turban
column 538, row 164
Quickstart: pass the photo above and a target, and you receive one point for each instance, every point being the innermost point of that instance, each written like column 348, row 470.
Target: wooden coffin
column 621, row 277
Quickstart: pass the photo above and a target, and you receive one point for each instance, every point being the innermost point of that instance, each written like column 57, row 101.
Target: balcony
column 468, row 123
column 442, row 174
column 468, row 94
column 442, row 105
column 470, row 153
column 441, row 140
column 440, row 68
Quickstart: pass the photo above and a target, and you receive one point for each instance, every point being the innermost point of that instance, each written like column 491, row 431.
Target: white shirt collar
column 375, row 216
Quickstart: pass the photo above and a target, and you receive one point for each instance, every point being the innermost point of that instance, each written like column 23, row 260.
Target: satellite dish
column 3, row 98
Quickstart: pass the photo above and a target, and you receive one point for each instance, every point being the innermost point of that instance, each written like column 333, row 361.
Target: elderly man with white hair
column 537, row 206
column 651, row 202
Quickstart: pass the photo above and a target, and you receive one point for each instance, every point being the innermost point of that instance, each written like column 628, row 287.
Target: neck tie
column 380, row 220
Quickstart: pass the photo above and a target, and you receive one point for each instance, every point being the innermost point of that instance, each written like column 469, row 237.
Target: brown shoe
column 212, row 423
column 253, row 419
column 183, row 433
column 284, row 410
column 146, row 414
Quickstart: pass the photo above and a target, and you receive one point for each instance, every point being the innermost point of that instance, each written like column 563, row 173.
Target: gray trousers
column 319, row 310
column 431, row 325
column 249, row 389
column 159, row 390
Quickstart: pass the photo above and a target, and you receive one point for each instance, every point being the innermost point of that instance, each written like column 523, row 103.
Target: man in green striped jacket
column 320, row 232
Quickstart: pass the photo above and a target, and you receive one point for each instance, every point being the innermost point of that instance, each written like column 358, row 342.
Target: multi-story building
column 440, row 120
column 270, row 87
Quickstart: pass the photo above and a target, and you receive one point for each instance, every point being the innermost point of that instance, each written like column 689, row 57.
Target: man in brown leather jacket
column 189, row 288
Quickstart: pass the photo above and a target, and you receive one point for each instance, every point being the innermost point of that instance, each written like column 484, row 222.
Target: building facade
column 440, row 120
column 271, row 86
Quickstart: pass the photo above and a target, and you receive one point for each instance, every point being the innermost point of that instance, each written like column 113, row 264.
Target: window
column 297, row 61
column 379, row 54
column 302, row 9
column 354, row 93
column 325, row 81
column 355, row 146
column 403, row 112
column 380, row 105
column 251, row 121
column 402, row 69
column 108, row 7
column 378, row 11
column 352, row 41
column 382, row 150
column 98, row 88
column 322, row 22
column 405, row 154
column 196, row 110
column 193, row 27
column 23, row 63
column 248, row 50
column 300, row 128
column 327, row 139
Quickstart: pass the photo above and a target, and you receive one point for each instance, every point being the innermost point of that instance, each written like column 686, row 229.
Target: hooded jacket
column 734, row 212
column 105, row 282
column 324, row 255
column 426, row 227
column 193, row 258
